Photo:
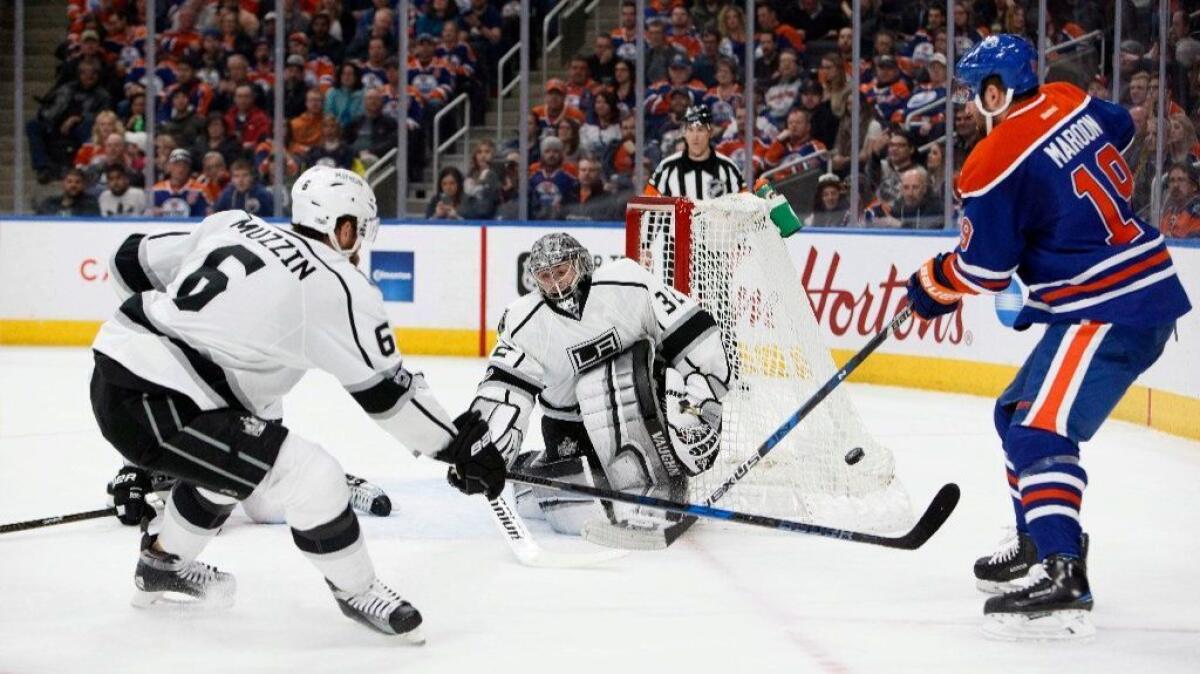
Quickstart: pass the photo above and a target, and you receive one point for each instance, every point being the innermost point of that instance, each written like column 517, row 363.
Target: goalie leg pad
column 565, row 513
column 621, row 414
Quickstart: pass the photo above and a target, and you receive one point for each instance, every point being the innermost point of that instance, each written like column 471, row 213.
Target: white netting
column 740, row 272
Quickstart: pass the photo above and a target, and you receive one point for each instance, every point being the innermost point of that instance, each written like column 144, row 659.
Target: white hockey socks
column 310, row 486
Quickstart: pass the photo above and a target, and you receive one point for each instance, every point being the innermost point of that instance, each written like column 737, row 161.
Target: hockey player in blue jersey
column 1046, row 197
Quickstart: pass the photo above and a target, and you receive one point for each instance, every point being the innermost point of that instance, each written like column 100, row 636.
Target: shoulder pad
column 999, row 153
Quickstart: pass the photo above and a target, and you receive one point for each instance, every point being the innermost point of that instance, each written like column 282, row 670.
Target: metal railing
column 1095, row 35
column 932, row 105
column 439, row 147
column 502, row 89
column 565, row 8
column 383, row 169
column 547, row 43
column 806, row 159
column 936, row 141
column 1086, row 37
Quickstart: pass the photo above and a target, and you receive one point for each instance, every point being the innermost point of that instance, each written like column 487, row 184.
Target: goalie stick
column 657, row 539
column 57, row 519
column 935, row 515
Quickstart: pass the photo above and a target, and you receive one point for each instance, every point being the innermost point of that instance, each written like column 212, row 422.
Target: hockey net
column 726, row 254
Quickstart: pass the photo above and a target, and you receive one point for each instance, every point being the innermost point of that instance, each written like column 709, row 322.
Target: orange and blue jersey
column 187, row 201
column 889, row 99
column 658, row 98
column 1046, row 197
column 686, row 41
column 434, row 82
column 723, row 106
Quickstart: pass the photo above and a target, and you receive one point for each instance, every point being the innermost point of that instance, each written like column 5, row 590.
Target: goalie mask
column 559, row 264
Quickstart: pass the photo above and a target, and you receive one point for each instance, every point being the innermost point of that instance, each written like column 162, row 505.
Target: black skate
column 368, row 498
column 162, row 578
column 1056, row 605
column 1007, row 568
column 381, row 608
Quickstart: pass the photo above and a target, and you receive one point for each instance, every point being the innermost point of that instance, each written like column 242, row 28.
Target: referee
column 699, row 172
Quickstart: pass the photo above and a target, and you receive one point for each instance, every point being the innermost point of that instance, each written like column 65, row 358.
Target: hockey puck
column 854, row 456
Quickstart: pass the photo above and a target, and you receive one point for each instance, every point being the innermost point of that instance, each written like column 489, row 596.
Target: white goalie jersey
column 542, row 350
column 234, row 312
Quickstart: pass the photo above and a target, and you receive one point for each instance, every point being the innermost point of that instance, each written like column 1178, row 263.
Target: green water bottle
column 782, row 215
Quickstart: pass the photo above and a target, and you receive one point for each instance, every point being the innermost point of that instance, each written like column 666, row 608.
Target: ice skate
column 1005, row 569
column 366, row 497
column 164, row 579
column 1009, row 567
column 381, row 608
column 1056, row 605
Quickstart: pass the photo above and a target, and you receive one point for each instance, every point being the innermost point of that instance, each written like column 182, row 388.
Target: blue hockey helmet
column 1009, row 57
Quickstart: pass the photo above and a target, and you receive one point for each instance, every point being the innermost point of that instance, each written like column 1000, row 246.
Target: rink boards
column 446, row 285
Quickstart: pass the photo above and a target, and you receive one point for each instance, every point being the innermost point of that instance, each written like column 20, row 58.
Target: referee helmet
column 698, row 114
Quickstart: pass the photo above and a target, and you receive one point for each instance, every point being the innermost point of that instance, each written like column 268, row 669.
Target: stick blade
column 604, row 532
column 935, row 516
column 546, row 559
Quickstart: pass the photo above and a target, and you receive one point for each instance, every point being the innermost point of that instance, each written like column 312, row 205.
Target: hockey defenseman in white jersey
column 220, row 323
column 595, row 348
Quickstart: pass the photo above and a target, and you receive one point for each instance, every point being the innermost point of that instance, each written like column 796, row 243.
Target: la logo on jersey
column 594, row 351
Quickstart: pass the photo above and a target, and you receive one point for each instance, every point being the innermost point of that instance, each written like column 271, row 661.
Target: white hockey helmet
column 322, row 196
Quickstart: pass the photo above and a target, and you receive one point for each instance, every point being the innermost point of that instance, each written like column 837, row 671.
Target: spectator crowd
column 215, row 95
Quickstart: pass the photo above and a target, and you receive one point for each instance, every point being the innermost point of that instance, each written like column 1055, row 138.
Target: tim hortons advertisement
column 72, row 281
column 856, row 283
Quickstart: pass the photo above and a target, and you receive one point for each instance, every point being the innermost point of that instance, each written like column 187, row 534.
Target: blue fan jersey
column 1046, row 196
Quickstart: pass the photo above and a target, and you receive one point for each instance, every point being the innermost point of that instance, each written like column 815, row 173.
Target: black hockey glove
column 476, row 466
column 128, row 492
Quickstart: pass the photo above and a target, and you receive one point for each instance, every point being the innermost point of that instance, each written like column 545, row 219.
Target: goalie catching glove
column 693, row 421
column 476, row 465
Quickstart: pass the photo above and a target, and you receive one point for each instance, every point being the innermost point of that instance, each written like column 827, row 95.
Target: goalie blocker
column 629, row 374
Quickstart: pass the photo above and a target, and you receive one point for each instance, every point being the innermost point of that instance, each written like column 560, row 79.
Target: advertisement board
column 446, row 284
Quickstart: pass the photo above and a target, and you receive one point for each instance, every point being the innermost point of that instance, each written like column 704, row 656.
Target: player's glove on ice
column 930, row 292
column 476, row 465
column 128, row 493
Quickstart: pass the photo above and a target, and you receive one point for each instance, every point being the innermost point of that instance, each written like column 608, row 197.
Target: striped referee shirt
column 680, row 176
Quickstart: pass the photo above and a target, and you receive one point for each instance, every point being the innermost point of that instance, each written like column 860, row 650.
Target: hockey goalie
column 629, row 373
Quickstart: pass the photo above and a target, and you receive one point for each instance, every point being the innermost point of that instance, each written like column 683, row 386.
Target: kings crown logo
column 253, row 426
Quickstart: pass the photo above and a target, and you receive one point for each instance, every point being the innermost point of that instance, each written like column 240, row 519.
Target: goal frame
column 682, row 209
column 808, row 478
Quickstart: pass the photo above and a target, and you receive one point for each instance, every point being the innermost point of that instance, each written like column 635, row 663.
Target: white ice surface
column 724, row 600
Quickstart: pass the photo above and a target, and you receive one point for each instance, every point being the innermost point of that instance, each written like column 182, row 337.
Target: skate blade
column 1002, row 586
column 1051, row 626
column 177, row 601
column 413, row 637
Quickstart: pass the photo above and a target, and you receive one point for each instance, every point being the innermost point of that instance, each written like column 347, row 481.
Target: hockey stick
column 935, row 514
column 662, row 538
column 529, row 553
column 58, row 519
